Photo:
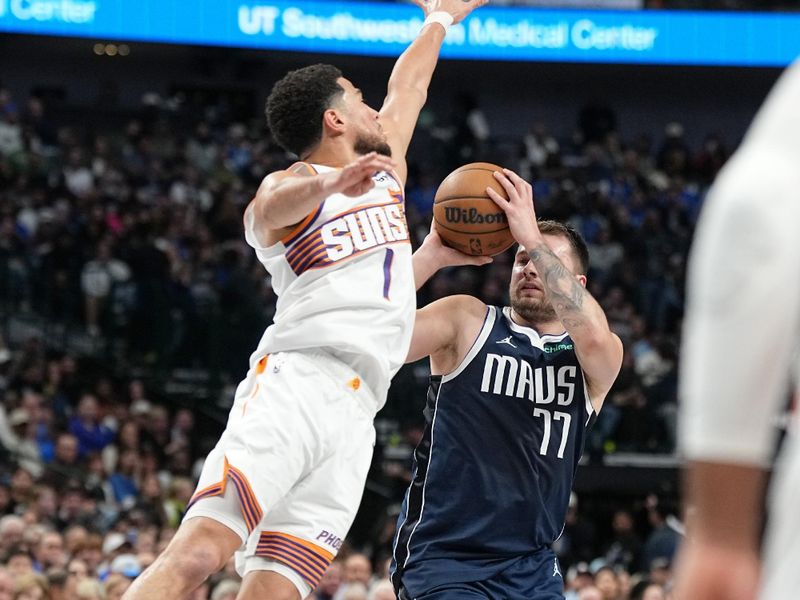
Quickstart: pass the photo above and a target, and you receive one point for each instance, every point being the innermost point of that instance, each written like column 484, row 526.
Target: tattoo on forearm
column 564, row 290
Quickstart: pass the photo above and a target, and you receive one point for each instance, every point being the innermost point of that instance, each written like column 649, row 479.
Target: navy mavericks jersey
column 494, row 470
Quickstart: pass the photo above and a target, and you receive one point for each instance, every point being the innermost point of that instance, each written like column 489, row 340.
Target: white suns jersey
column 345, row 282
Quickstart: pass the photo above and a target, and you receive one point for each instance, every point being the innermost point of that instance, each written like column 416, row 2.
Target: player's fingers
column 523, row 187
column 508, row 186
column 498, row 199
column 421, row 3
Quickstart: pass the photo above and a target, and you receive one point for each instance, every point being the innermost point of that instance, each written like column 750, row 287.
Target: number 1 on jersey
column 387, row 272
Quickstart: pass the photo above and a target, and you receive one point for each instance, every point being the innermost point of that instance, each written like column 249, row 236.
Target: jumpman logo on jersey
column 556, row 570
column 506, row 341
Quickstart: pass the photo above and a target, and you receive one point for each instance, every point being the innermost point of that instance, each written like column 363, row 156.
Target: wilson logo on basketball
column 454, row 214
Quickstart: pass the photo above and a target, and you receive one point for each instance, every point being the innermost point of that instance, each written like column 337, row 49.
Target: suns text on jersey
column 364, row 229
column 515, row 377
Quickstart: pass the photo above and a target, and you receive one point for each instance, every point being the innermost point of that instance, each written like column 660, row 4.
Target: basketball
column 465, row 216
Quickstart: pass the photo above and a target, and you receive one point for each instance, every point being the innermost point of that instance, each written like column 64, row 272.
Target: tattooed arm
column 599, row 350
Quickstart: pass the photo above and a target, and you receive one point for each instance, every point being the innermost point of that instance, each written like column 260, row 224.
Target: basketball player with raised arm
column 283, row 484
column 512, row 392
column 739, row 361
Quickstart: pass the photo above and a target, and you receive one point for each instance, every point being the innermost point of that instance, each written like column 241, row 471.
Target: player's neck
column 336, row 152
column 552, row 327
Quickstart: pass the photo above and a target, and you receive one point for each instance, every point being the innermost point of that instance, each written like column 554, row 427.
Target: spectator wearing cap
column 127, row 565
column 92, row 435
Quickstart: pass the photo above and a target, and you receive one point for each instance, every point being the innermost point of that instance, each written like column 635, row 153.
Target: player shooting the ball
column 512, row 392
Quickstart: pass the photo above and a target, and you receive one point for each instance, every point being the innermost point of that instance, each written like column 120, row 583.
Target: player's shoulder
column 296, row 169
column 459, row 306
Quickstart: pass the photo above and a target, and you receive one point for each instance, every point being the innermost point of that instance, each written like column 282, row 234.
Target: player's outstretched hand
column 518, row 208
column 441, row 256
column 356, row 178
column 459, row 9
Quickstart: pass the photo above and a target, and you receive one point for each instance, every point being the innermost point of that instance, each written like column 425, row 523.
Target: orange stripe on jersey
column 262, row 364
column 215, row 489
column 302, row 168
column 309, row 560
column 251, row 509
column 318, row 550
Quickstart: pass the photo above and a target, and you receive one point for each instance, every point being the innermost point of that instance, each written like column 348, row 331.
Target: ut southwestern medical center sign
column 385, row 29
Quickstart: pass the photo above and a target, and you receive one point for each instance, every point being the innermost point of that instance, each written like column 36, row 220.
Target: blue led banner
column 491, row 33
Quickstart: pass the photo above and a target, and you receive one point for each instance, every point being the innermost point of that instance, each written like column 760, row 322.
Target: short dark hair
column 576, row 240
column 296, row 104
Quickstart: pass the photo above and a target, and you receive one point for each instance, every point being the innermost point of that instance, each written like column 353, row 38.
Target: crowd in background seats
column 122, row 261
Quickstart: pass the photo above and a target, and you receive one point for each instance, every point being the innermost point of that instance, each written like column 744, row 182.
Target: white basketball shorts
column 294, row 456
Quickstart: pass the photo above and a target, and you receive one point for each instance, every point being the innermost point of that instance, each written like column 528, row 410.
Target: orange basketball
column 464, row 215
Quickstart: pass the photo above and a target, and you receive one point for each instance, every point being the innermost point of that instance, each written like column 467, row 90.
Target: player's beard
column 366, row 143
column 533, row 310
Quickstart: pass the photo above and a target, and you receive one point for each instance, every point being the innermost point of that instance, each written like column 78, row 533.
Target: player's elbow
column 266, row 212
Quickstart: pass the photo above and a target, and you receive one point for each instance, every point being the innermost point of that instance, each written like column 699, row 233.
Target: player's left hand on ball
column 447, row 256
column 518, row 208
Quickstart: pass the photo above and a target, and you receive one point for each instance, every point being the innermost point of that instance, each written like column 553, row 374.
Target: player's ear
column 581, row 279
column 332, row 121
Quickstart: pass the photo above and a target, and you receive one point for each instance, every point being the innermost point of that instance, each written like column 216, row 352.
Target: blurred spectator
column 6, row 585
column 381, row 590
column 625, row 547
column 607, row 581
column 50, row 552
column 591, row 593
column 30, row 586
column 92, row 435
column 66, row 465
column 663, row 540
column 226, row 590
column 329, row 583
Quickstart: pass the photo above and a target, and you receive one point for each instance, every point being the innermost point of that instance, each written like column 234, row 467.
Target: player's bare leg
column 200, row 548
column 259, row 585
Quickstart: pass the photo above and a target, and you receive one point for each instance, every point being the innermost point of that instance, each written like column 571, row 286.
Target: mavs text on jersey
column 493, row 473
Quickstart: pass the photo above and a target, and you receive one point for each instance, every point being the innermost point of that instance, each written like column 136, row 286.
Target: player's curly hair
column 579, row 248
column 296, row 104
